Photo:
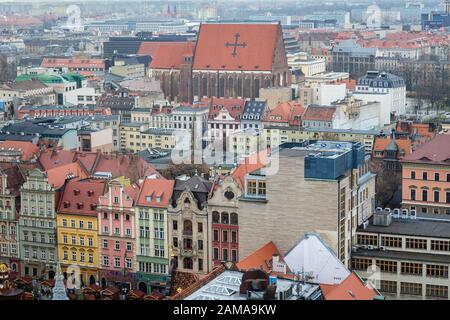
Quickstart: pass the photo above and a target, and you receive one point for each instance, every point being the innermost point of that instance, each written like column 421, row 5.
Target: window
column 411, row 288
column 436, row 176
column 128, row 263
column 81, row 256
column 200, row 264
column 366, row 239
column 440, row 245
column 72, row 223
column 105, row 215
column 65, row 255
column 105, row 260
column 89, row 225
column 425, row 195
column 361, row 264
column 175, row 225
column 187, row 263
column 425, row 176
column 105, row 244
column 215, row 253
column 251, row 187
column 437, row 271
column 74, row 240
column 225, row 254
column 447, row 197
column 200, row 244
column 386, row 265
column 215, row 235
column 413, row 174
column 393, row 242
column 90, row 242
column 234, row 255
column 262, row 188
column 436, row 291
column 64, row 222
column 129, row 246
column 411, row 268
column 74, row 256
column 200, row 227
column 117, row 262
column 117, row 245
column 81, row 241
column 413, row 194
column 234, row 236
column 436, row 195
column 234, row 218
column 64, row 238
column 225, row 235
column 413, row 243
column 81, row 224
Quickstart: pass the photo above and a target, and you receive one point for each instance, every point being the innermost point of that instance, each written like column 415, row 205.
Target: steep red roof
column 73, row 63
column 435, row 151
column 28, row 149
column 403, row 145
column 55, row 157
column 58, row 175
column 171, row 55
column 133, row 191
column 235, row 107
column 319, row 113
column 262, row 257
column 150, row 48
column 80, row 197
column 213, row 53
column 286, row 112
column 154, row 189
column 352, row 288
column 254, row 162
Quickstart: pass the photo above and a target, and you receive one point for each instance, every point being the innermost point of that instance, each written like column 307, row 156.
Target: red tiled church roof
column 171, row 55
column 213, row 53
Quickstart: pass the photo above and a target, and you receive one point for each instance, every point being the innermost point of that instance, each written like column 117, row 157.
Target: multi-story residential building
column 120, row 104
column 106, row 122
column 135, row 137
column 31, row 90
column 117, row 236
column 10, row 180
column 408, row 252
column 224, row 118
column 426, row 177
column 152, row 240
column 188, row 225
column 336, row 191
column 77, row 229
column 284, row 114
column 223, row 221
column 386, row 88
column 37, row 223
column 253, row 114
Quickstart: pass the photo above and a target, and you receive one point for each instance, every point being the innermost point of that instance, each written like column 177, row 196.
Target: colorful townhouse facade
column 152, row 251
column 117, row 237
column 9, row 238
column 426, row 177
column 77, row 230
column 37, row 224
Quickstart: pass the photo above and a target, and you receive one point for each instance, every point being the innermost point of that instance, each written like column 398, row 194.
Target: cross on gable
column 235, row 44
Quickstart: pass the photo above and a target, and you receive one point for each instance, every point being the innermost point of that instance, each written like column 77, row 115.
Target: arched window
column 230, row 89
column 196, row 80
column 215, row 217
column 225, row 218
column 187, row 263
column 187, row 227
column 234, row 218
column 204, row 87
column 257, row 84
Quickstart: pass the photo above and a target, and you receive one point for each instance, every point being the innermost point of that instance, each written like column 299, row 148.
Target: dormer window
column 79, row 205
column 148, row 198
column 93, row 206
column 76, row 192
column 90, row 193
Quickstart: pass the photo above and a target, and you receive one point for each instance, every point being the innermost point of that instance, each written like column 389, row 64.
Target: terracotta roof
column 133, row 191
column 352, row 288
column 319, row 113
column 382, row 144
column 254, row 162
column 154, row 189
column 73, row 63
column 26, row 85
column 55, row 157
column 171, row 55
column 58, row 175
column 80, row 197
column 151, row 47
column 235, row 107
column 435, row 151
column 212, row 52
column 260, row 259
column 287, row 112
column 28, row 149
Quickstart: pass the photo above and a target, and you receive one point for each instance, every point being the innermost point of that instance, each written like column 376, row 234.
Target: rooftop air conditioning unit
column 405, row 214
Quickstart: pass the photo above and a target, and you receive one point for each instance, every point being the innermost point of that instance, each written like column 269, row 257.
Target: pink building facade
column 117, row 238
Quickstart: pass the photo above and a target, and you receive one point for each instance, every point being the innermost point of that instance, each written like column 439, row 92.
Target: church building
column 229, row 60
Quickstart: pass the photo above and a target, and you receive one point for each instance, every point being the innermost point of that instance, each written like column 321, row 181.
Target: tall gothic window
column 221, row 87
column 256, row 87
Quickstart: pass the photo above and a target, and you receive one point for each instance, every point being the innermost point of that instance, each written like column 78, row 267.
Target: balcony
column 187, row 233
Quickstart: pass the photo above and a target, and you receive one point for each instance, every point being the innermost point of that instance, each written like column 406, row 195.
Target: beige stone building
column 306, row 189
column 409, row 253
column 135, row 137
column 188, row 225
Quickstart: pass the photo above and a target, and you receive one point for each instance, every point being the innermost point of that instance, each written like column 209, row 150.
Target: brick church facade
column 229, row 60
